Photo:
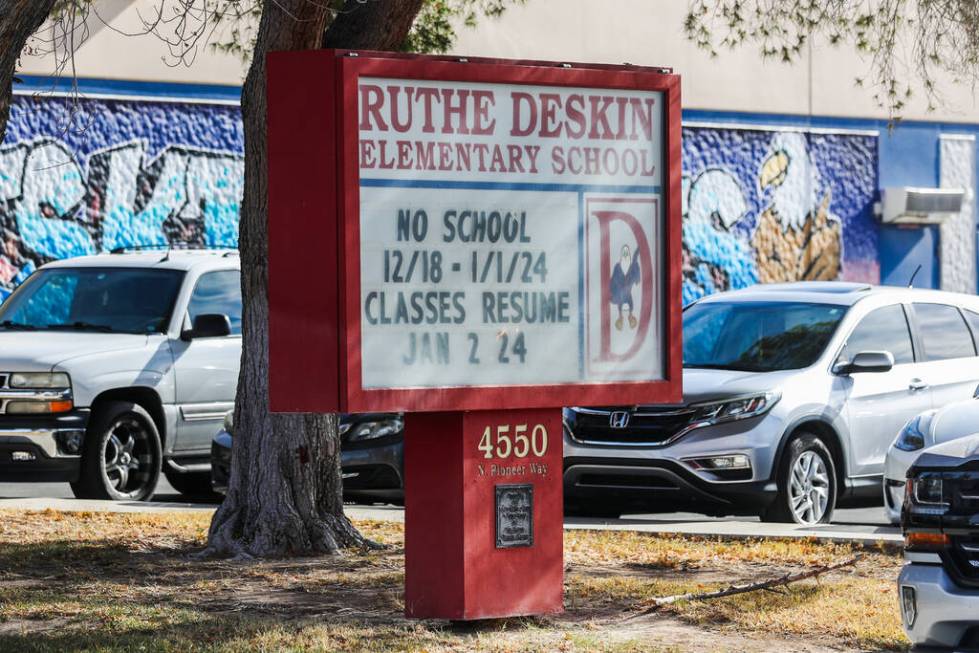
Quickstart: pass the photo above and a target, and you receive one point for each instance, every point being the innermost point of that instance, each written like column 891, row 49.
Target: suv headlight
column 912, row 436
column 374, row 430
column 39, row 380
column 736, row 408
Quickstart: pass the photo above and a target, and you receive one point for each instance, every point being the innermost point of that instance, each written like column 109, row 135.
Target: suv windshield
column 757, row 336
column 127, row 300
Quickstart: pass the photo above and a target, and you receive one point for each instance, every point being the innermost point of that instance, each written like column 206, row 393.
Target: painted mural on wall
column 115, row 174
column 776, row 206
column 758, row 206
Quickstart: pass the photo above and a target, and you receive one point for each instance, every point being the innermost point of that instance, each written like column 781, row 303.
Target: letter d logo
column 626, row 284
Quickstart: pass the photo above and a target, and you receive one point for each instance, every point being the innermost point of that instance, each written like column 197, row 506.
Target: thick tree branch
column 372, row 25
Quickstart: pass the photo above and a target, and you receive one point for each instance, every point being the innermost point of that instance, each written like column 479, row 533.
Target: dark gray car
column 372, row 457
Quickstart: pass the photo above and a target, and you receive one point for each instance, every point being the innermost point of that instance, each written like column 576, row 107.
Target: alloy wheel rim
column 126, row 456
column 809, row 488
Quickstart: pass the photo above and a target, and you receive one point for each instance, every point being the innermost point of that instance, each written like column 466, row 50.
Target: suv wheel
column 122, row 454
column 807, row 485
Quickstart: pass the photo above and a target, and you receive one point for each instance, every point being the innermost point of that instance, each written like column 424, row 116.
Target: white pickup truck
column 116, row 367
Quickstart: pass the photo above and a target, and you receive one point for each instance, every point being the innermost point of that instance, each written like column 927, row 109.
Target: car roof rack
column 170, row 247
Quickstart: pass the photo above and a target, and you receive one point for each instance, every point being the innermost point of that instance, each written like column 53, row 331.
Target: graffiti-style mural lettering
column 140, row 174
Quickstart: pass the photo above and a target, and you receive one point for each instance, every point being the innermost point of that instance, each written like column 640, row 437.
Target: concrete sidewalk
column 866, row 534
column 88, row 505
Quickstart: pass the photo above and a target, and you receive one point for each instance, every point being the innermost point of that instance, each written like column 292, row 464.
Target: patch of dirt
column 686, row 637
column 32, row 626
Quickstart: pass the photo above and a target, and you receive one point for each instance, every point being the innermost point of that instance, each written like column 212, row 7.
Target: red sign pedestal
column 483, row 514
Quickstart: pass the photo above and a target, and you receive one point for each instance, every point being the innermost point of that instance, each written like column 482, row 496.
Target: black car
column 939, row 587
column 372, row 457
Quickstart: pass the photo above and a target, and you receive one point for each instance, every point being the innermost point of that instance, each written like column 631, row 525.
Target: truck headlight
column 927, row 491
column 40, row 380
column 375, row 430
column 925, row 494
column 736, row 408
column 34, row 407
column 912, row 436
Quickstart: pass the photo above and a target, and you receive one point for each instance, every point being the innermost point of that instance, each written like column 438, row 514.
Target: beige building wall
column 118, row 48
column 646, row 32
column 650, row 32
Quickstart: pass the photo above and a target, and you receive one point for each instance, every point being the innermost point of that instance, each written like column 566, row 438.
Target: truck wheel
column 122, row 455
column 193, row 485
column 807, row 485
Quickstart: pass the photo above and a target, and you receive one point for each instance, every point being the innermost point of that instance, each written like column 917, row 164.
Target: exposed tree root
column 281, row 536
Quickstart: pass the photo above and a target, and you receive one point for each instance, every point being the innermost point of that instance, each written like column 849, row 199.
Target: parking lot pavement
column 864, row 525
column 58, row 496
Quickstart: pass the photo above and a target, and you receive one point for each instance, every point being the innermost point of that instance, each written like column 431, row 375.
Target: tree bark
column 285, row 495
column 19, row 19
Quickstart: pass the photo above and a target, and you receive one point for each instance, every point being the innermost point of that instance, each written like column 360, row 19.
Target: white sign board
column 509, row 234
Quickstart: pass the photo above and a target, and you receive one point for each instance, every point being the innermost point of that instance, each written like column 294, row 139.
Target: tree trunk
column 19, row 19
column 375, row 25
column 285, row 495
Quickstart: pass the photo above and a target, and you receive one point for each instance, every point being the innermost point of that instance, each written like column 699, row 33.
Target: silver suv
column 115, row 368
column 792, row 395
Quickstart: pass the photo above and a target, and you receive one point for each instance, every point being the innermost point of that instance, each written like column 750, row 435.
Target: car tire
column 807, row 483
column 592, row 508
column 122, row 454
column 193, row 485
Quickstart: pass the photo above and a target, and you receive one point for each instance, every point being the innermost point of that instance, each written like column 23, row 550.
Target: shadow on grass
column 62, row 595
column 213, row 633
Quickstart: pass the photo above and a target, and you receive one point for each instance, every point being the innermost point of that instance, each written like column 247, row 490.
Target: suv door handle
column 916, row 384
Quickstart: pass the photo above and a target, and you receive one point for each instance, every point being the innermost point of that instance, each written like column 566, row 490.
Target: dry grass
column 126, row 582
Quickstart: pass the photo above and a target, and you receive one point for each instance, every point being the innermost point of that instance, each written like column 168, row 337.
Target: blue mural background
column 112, row 174
column 769, row 206
column 758, row 205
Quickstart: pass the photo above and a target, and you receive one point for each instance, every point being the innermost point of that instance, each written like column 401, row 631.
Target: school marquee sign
column 504, row 226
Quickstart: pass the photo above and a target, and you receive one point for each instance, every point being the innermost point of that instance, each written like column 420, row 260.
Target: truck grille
column 961, row 522
column 963, row 493
column 647, row 426
column 963, row 558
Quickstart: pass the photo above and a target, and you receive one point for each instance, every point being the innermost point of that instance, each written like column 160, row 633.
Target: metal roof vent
column 907, row 205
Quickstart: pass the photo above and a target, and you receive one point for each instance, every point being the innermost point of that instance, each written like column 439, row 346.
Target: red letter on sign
column 518, row 98
column 482, row 126
column 371, row 107
column 549, row 126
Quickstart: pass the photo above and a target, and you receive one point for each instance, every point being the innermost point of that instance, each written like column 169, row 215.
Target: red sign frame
column 315, row 335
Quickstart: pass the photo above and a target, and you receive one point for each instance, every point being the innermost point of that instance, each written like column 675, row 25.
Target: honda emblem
column 619, row 419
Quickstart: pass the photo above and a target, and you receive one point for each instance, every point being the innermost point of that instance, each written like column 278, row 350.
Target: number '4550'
column 516, row 442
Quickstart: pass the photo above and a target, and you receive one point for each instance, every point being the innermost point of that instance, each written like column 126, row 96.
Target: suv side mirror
column 867, row 361
column 208, row 325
